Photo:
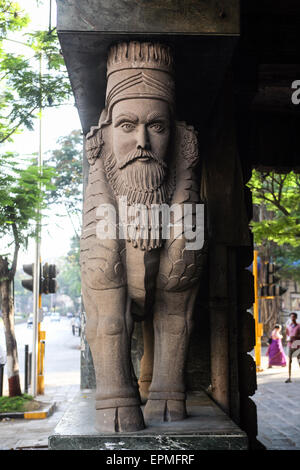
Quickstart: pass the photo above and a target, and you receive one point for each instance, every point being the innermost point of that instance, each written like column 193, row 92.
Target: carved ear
column 186, row 145
column 97, row 138
column 93, row 144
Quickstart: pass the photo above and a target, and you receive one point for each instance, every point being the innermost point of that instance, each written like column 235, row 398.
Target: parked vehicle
column 30, row 321
column 55, row 316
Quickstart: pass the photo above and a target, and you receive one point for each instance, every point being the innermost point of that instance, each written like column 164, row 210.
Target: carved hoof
column 160, row 411
column 122, row 419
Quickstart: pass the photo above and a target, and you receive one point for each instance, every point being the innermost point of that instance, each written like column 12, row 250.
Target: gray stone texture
column 139, row 154
column 188, row 16
column 206, row 428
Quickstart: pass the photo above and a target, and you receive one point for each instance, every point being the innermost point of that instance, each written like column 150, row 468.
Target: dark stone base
column 206, row 428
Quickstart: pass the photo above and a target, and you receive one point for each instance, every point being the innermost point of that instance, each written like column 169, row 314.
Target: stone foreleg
column 108, row 331
column 172, row 328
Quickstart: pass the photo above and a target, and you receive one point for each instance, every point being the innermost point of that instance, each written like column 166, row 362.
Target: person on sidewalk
column 275, row 350
column 293, row 337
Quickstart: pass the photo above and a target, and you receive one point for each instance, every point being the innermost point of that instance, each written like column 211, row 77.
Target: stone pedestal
column 206, row 428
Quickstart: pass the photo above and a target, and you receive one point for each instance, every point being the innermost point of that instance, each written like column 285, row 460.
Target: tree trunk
column 10, row 338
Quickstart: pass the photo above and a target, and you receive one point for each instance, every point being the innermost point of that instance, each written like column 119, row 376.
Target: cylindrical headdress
column 139, row 70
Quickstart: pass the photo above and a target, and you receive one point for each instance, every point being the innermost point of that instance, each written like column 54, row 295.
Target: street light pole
column 36, row 271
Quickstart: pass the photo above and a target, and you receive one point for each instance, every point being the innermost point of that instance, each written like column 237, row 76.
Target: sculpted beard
column 141, row 182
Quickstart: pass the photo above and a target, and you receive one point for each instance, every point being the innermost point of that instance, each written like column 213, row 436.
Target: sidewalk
column 18, row 434
column 62, row 383
column 278, row 409
column 278, row 406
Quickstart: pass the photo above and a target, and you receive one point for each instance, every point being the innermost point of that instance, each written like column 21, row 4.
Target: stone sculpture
column 140, row 157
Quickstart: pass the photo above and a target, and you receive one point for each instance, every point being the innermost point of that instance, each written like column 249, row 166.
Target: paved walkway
column 33, row 433
column 278, row 406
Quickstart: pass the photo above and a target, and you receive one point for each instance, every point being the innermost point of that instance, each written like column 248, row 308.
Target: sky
column 57, row 231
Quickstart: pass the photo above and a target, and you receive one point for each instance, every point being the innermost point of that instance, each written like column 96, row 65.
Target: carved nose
column 142, row 140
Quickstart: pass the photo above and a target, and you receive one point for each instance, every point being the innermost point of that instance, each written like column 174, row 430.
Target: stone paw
column 160, row 411
column 121, row 419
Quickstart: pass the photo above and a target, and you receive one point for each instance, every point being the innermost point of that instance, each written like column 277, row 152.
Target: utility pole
column 37, row 262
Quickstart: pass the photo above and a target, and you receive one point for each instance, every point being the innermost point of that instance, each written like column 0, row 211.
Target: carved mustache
column 141, row 153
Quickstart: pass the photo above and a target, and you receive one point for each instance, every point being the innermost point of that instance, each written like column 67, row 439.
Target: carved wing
column 101, row 260
column 181, row 267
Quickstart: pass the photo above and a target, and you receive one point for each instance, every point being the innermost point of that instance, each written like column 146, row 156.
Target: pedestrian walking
column 275, row 350
column 293, row 338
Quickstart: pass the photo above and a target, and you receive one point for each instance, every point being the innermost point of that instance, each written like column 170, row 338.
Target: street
column 62, row 383
column 278, row 406
column 277, row 403
column 62, row 352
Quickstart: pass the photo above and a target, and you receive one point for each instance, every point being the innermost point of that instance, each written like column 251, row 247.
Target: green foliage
column 12, row 18
column 280, row 196
column 24, row 90
column 288, row 257
column 25, row 86
column 11, row 404
column 67, row 160
column 22, row 192
column 42, row 42
column 278, row 230
column 69, row 273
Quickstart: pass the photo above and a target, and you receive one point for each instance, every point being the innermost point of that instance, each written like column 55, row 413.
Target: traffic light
column 49, row 283
column 28, row 283
column 270, row 286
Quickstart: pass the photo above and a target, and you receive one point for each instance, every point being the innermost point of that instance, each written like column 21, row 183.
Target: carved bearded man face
column 141, row 127
column 140, row 144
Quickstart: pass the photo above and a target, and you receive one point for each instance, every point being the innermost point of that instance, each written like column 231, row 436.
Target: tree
column 25, row 87
column 25, row 90
column 67, row 160
column 69, row 278
column 278, row 196
column 276, row 226
column 276, row 229
column 288, row 257
column 11, row 18
column 22, row 193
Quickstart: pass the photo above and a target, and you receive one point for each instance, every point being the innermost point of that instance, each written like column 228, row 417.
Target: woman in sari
column 275, row 350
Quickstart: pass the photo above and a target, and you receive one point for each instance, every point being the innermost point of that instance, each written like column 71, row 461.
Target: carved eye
column 127, row 126
column 157, row 127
